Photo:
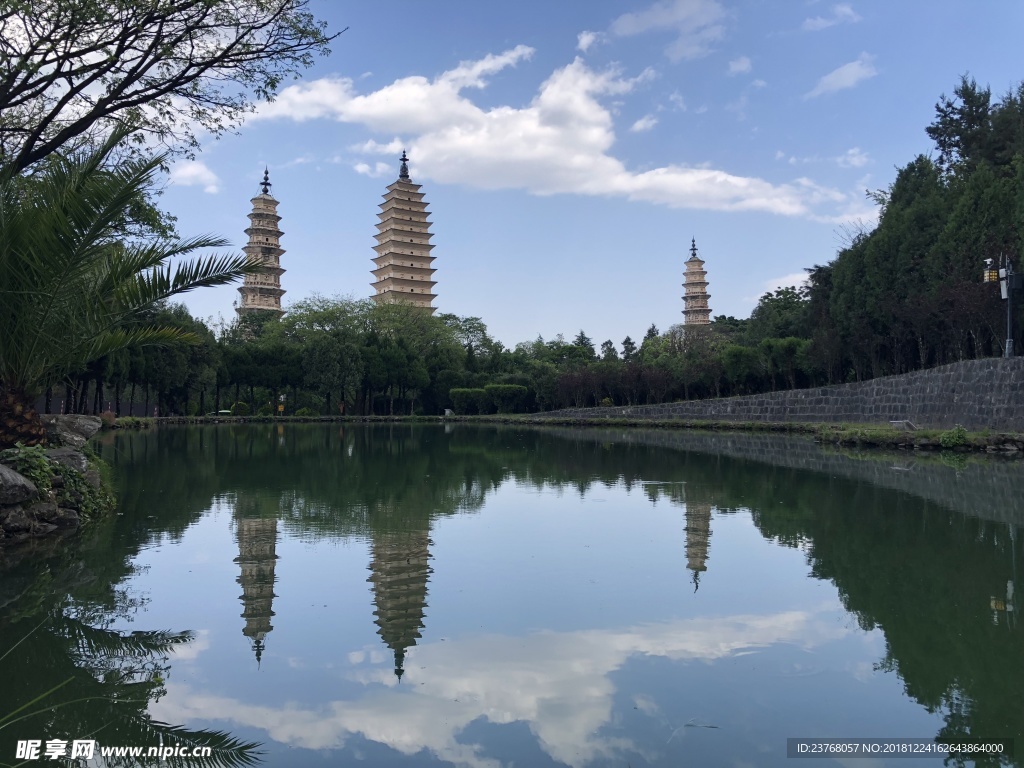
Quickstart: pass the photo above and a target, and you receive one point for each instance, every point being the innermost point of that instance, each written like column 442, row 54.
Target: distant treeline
column 906, row 295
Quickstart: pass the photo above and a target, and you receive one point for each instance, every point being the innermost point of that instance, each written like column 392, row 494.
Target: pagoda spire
column 404, row 266
column 261, row 292
column 695, row 285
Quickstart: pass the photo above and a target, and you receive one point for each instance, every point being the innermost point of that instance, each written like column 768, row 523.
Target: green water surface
column 497, row 597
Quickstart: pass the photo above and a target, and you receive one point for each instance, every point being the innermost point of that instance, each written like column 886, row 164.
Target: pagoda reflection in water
column 399, row 571
column 257, row 556
column 698, row 537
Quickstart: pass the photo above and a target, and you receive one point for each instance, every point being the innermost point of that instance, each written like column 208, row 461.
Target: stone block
column 70, row 430
column 66, row 518
column 15, row 521
column 44, row 511
column 69, row 457
column 15, row 487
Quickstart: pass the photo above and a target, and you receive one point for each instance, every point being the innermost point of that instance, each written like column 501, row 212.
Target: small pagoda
column 404, row 272
column 261, row 292
column 695, row 287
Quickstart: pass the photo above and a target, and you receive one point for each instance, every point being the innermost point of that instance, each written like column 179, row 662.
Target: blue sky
column 570, row 150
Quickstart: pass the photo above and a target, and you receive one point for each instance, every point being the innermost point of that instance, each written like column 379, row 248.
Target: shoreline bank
column 868, row 435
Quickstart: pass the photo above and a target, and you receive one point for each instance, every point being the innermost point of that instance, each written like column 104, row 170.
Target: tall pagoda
column 695, row 285
column 404, row 272
column 262, row 291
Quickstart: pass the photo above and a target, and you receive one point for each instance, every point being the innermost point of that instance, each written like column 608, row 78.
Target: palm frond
column 70, row 287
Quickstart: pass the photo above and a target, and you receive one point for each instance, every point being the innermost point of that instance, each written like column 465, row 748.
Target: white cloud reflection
column 559, row 683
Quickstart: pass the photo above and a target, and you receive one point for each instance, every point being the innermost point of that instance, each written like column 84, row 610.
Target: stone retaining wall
column 979, row 394
column 987, row 488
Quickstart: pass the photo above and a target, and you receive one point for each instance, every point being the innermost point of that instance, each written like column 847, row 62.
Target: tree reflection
column 933, row 580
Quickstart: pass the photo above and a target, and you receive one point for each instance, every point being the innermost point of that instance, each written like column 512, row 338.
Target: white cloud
column 853, row 158
column 645, row 123
column 758, row 84
column 393, row 147
column 558, row 143
column 376, row 170
column 841, row 14
column 795, row 280
column 846, row 76
column 677, row 101
column 192, row 173
column 586, row 39
column 739, row 66
column 696, row 22
column 561, row 685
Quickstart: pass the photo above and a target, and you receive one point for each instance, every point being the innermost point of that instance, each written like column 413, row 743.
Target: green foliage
column 954, row 437
column 31, row 462
column 240, row 409
column 265, row 410
column 171, row 69
column 468, row 401
column 306, row 412
column 73, row 491
column 71, row 290
column 133, row 422
column 508, row 398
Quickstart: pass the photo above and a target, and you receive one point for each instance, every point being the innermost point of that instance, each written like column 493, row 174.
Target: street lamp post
column 1009, row 283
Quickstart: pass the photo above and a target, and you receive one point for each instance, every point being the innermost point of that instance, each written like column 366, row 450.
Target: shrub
column 240, row 409
column 133, row 422
column 606, row 402
column 265, row 410
column 466, row 401
column 954, row 437
column 108, row 419
column 508, row 398
column 306, row 412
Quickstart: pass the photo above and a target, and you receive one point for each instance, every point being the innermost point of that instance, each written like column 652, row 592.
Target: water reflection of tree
column 68, row 675
column 924, row 575
column 927, row 579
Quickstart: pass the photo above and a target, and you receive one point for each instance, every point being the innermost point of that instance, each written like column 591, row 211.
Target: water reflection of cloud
column 189, row 651
column 559, row 683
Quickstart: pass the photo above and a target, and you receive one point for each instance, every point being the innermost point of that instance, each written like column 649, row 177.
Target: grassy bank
column 862, row 435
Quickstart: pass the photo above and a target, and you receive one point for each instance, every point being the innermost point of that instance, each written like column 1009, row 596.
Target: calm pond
column 496, row 597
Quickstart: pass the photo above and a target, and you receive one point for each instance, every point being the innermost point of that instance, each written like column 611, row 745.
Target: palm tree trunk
column 19, row 422
column 49, row 397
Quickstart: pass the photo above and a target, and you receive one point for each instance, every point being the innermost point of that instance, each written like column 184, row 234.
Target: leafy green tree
column 628, row 349
column 70, row 70
column 779, row 314
column 71, row 290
